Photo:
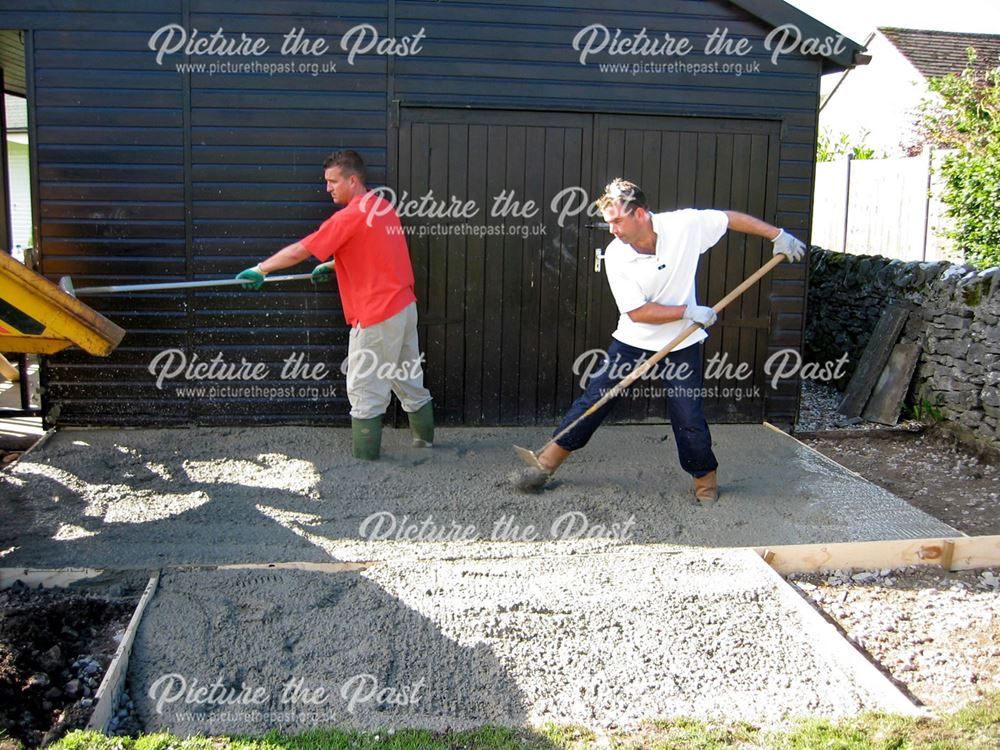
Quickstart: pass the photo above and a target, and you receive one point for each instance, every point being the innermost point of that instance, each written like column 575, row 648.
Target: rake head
column 529, row 457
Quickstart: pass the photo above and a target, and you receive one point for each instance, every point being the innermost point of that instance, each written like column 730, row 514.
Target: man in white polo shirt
column 651, row 265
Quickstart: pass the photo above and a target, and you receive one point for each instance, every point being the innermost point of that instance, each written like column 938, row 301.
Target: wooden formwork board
column 109, row 692
column 829, row 641
column 8, row 370
column 316, row 567
column 956, row 553
column 46, row 578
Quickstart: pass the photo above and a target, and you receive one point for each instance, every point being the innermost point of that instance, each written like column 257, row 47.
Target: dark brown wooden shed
column 149, row 164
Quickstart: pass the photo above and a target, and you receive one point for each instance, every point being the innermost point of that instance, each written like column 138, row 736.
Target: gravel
column 818, row 412
column 124, row 721
column 936, row 633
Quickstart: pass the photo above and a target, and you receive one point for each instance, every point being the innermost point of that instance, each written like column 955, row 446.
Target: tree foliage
column 965, row 116
column 829, row 148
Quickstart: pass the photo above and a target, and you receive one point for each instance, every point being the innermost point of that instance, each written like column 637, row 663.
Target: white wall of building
column 19, row 174
column 20, row 194
column 882, row 98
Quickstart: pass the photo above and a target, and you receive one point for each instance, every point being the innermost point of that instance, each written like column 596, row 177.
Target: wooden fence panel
column 888, row 207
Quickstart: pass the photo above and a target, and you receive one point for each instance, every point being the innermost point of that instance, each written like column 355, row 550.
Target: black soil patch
column 55, row 647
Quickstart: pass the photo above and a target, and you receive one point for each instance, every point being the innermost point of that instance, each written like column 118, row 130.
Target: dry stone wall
column 954, row 314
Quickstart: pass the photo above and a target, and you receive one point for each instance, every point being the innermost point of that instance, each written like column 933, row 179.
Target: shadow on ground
column 151, row 498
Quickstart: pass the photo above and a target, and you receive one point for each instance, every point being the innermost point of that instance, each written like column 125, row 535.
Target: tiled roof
column 937, row 53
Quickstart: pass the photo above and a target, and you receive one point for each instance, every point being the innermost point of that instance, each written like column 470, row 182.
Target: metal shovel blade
column 529, row 458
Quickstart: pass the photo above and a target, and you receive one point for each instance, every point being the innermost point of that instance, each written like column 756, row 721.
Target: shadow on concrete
column 207, row 496
column 291, row 650
column 204, row 497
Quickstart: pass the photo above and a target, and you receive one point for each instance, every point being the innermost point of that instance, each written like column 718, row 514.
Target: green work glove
column 321, row 273
column 253, row 277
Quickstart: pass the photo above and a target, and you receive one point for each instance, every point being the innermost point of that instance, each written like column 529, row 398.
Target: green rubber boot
column 367, row 437
column 422, row 425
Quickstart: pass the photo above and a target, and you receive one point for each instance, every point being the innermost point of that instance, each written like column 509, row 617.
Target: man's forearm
column 657, row 314
column 288, row 256
column 747, row 224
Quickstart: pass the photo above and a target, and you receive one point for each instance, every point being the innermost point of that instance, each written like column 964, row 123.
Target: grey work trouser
column 382, row 359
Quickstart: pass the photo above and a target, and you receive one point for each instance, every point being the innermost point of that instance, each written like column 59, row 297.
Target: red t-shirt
column 372, row 261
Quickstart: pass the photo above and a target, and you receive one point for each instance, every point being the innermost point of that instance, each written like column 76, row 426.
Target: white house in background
column 883, row 97
column 889, row 206
column 16, row 112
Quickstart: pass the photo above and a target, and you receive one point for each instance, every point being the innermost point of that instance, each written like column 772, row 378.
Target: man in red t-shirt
column 364, row 244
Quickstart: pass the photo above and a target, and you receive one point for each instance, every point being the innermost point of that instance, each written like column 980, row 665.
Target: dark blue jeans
column 679, row 376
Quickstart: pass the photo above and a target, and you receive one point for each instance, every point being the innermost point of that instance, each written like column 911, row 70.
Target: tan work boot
column 706, row 488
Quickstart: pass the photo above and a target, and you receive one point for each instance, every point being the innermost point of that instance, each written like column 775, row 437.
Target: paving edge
column 108, row 695
column 830, row 642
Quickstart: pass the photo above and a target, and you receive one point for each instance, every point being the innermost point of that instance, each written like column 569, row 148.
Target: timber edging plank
column 109, row 692
column 829, row 641
column 949, row 553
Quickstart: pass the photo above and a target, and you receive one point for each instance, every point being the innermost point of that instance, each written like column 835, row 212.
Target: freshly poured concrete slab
column 601, row 639
column 141, row 498
column 598, row 601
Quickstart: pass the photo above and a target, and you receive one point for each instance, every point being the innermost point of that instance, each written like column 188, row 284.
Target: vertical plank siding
column 145, row 173
column 499, row 321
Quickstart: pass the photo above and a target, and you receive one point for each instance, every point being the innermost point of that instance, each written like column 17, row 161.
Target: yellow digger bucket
column 37, row 316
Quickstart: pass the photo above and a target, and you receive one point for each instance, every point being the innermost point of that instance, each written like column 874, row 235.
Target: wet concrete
column 154, row 498
column 598, row 601
column 604, row 640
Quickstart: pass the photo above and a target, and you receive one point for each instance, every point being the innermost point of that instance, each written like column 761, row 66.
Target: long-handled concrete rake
column 67, row 285
column 530, row 457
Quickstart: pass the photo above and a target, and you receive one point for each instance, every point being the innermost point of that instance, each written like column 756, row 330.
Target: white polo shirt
column 666, row 278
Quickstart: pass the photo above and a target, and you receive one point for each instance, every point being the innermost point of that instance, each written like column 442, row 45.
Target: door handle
column 598, row 257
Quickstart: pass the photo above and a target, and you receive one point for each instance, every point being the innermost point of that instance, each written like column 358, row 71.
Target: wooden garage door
column 501, row 315
column 702, row 163
column 508, row 303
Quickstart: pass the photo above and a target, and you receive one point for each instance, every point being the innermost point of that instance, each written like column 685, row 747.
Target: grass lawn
column 977, row 726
